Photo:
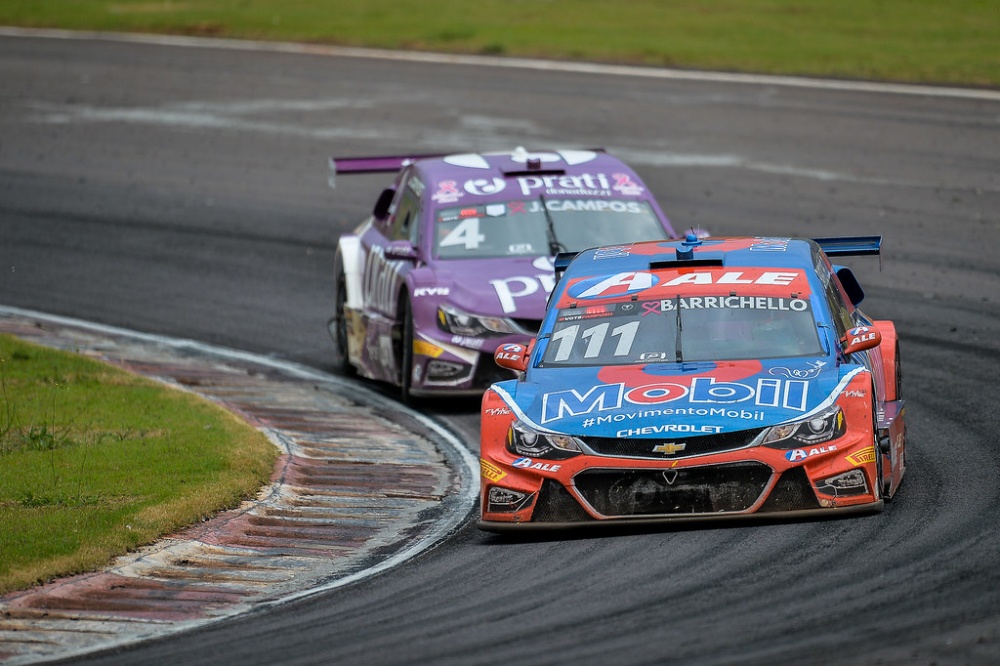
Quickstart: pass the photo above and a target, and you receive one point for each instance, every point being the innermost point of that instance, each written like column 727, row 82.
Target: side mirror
column 383, row 203
column 861, row 338
column 400, row 249
column 513, row 356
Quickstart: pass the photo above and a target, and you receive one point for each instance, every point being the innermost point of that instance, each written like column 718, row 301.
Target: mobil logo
column 606, row 286
column 789, row 394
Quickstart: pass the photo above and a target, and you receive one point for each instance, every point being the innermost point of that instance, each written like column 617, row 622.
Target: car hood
column 674, row 400
column 503, row 287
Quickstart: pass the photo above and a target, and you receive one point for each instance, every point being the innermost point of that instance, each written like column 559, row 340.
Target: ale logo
column 620, row 284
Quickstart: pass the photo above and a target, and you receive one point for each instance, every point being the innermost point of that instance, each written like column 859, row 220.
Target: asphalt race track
column 182, row 192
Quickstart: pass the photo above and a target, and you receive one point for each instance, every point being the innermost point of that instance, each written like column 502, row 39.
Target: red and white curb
column 362, row 485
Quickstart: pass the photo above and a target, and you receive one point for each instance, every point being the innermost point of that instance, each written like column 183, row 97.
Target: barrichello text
column 764, row 392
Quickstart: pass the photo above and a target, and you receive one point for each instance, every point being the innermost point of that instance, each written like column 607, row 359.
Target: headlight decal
column 844, row 485
column 507, row 500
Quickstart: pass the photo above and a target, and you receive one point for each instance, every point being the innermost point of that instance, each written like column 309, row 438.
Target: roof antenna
column 686, row 249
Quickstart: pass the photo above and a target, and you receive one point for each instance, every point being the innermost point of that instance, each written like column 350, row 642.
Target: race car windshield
column 711, row 328
column 525, row 228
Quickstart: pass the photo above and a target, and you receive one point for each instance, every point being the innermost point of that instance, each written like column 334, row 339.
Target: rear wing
column 381, row 164
column 850, row 246
column 562, row 262
column 393, row 163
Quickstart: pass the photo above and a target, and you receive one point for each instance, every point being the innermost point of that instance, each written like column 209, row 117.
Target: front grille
column 692, row 446
column 727, row 488
column 556, row 505
column 792, row 492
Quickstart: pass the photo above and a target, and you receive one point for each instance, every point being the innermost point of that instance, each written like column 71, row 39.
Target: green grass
column 924, row 41
column 95, row 462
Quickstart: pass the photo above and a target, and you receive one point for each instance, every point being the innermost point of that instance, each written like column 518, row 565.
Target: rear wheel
column 338, row 324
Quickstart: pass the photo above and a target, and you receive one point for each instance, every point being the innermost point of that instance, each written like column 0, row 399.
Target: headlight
column 815, row 430
column 453, row 320
column 525, row 441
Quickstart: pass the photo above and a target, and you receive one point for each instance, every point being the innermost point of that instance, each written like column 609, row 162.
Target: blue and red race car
column 456, row 258
column 696, row 378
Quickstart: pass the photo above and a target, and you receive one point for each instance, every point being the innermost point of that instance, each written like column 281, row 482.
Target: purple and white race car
column 456, row 258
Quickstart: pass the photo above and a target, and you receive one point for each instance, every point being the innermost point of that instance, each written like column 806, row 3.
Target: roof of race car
column 500, row 163
column 520, row 163
column 721, row 252
column 774, row 266
column 691, row 252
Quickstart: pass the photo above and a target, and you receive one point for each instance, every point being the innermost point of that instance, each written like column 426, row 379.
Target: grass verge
column 917, row 41
column 95, row 462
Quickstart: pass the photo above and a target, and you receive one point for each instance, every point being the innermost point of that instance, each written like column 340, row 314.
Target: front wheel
column 406, row 352
column 880, row 485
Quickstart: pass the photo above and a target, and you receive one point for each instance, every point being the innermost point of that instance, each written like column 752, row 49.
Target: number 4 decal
column 466, row 233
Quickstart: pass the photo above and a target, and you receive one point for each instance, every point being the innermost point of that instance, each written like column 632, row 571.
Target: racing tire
column 406, row 352
column 338, row 324
column 880, row 486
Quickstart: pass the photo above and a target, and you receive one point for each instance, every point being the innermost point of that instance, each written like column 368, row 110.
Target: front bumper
column 458, row 366
column 755, row 481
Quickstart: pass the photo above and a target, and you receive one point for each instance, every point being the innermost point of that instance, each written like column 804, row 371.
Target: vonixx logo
column 765, row 392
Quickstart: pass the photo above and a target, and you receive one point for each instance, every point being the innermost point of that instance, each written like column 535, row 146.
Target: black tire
column 880, row 486
column 406, row 351
column 338, row 324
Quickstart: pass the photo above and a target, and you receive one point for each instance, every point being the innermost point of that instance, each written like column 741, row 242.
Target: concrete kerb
column 363, row 484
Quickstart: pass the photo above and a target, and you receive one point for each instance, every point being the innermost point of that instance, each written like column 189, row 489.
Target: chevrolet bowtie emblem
column 670, row 448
